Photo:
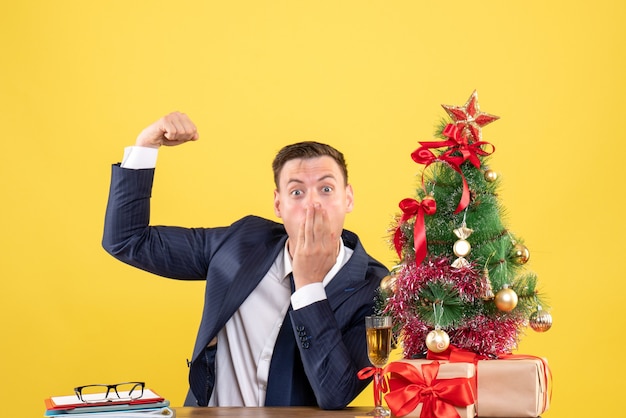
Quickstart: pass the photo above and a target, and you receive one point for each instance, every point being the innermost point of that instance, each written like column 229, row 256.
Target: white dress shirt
column 246, row 343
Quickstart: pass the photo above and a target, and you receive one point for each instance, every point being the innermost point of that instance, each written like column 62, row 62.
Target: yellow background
column 79, row 80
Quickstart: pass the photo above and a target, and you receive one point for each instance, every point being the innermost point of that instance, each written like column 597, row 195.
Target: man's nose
column 312, row 197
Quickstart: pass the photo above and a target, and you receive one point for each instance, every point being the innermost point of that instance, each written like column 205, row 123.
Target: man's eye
column 296, row 192
column 327, row 189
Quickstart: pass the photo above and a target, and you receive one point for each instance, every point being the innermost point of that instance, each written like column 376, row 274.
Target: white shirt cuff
column 139, row 157
column 308, row 295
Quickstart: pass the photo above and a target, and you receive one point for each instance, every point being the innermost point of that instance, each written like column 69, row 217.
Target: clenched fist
column 173, row 129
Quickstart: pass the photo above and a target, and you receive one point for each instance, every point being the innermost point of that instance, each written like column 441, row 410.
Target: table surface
column 267, row 412
column 271, row 412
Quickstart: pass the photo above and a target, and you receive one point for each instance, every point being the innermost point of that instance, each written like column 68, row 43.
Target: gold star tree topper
column 469, row 119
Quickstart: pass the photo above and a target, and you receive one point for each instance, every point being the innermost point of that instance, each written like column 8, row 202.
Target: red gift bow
column 457, row 143
column 379, row 380
column 412, row 386
column 454, row 354
column 410, row 208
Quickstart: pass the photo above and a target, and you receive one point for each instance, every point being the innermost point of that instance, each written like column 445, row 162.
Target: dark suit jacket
column 330, row 334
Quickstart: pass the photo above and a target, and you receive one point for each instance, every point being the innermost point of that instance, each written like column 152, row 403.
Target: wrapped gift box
column 438, row 386
column 513, row 387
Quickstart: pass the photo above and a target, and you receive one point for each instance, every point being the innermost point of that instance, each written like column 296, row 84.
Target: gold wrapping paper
column 512, row 388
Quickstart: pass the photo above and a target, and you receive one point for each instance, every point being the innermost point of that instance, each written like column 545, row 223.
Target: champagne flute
column 378, row 333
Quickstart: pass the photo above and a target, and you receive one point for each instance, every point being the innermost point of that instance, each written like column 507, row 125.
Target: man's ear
column 349, row 198
column 277, row 203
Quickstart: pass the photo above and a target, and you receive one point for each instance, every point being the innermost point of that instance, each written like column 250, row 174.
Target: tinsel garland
column 485, row 333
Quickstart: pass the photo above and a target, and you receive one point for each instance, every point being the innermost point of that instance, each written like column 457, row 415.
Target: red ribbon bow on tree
column 411, row 386
column 457, row 143
column 411, row 208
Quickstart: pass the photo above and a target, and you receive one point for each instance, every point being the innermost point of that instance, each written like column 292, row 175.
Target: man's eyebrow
column 324, row 177
column 327, row 176
column 294, row 181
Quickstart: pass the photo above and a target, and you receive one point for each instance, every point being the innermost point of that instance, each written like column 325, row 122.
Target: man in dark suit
column 283, row 320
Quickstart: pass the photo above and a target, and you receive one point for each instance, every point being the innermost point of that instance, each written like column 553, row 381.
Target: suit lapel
column 247, row 277
column 349, row 279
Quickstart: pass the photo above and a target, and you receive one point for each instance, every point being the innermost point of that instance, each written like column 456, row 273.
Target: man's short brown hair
column 306, row 150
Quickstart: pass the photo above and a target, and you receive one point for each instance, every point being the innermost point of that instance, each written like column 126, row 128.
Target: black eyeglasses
column 110, row 393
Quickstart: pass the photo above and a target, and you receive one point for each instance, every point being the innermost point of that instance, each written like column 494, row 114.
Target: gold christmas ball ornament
column 520, row 254
column 506, row 299
column 388, row 283
column 490, row 175
column 437, row 341
column 540, row 320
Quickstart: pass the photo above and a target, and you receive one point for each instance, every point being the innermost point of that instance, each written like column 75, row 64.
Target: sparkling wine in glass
column 378, row 333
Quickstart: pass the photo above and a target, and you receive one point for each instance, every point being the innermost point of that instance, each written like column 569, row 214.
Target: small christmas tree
column 461, row 276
